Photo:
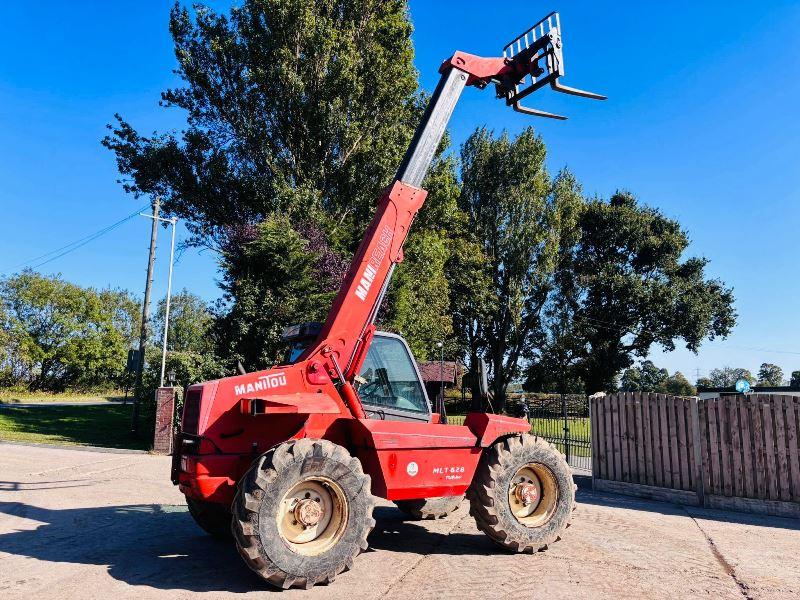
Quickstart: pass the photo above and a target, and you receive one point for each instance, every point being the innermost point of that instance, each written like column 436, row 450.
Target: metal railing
column 562, row 420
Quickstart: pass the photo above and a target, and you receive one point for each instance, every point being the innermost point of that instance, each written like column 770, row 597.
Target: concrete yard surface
column 78, row 524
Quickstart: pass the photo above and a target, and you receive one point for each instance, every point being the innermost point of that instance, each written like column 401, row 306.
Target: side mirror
column 483, row 378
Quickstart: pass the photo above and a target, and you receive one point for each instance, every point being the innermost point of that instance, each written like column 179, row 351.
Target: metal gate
column 564, row 420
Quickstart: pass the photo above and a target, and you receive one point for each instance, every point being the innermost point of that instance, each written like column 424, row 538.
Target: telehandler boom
column 289, row 459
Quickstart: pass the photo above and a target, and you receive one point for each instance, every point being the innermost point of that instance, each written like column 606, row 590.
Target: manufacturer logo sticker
column 265, row 382
column 412, row 469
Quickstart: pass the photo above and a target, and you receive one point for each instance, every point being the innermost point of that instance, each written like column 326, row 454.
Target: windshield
column 389, row 377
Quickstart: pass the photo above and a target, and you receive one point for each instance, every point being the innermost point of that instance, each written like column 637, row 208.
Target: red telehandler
column 290, row 459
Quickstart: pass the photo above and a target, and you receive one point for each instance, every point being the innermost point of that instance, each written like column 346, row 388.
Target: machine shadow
column 160, row 546
column 149, row 545
column 395, row 533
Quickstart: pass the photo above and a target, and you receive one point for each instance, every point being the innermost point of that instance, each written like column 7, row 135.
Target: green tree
column 292, row 107
column 515, row 213
column 419, row 298
column 190, row 323
column 65, row 335
column 299, row 110
column 677, row 385
column 704, row 382
column 770, row 375
column 553, row 365
column 727, row 376
column 795, row 380
column 629, row 286
column 272, row 281
column 645, row 378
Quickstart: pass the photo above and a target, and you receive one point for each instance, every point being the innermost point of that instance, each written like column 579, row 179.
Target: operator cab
column 389, row 384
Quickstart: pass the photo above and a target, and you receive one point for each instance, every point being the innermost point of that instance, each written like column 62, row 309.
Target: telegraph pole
column 137, row 389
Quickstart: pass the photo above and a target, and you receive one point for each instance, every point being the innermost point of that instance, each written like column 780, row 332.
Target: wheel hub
column 526, row 493
column 312, row 515
column 533, row 494
column 308, row 512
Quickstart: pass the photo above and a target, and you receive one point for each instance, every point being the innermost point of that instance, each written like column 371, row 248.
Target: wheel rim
column 312, row 515
column 533, row 494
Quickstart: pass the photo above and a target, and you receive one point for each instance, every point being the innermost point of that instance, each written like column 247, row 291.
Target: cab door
column 389, row 384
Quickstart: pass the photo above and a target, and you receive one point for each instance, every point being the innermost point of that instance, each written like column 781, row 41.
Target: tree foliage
column 58, row 335
column 630, row 287
column 647, row 377
column 190, row 323
column 298, row 111
column 678, row 385
column 770, row 375
column 727, row 376
column 292, row 107
column 268, row 283
column 515, row 214
column 795, row 380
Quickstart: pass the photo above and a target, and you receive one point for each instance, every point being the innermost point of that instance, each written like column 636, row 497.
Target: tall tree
column 515, row 214
column 630, row 287
column 269, row 283
column 190, row 323
column 795, row 380
column 677, row 385
column 645, row 378
column 770, row 375
column 727, row 376
column 292, row 107
column 298, row 110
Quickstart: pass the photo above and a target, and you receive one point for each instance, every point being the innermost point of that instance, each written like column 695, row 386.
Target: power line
column 72, row 246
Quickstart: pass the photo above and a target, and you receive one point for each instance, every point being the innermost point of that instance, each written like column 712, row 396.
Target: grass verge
column 103, row 426
column 17, row 397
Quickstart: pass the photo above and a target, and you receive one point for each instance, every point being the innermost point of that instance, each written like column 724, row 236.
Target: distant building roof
column 448, row 371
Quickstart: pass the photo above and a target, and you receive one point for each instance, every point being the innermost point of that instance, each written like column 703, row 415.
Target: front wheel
column 302, row 513
column 522, row 495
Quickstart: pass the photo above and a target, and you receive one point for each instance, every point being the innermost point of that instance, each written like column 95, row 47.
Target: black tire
column 430, row 508
column 261, row 499
column 492, row 485
column 213, row 518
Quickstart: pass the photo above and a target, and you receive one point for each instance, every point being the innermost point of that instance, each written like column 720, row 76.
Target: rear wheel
column 523, row 494
column 302, row 513
column 430, row 508
column 212, row 517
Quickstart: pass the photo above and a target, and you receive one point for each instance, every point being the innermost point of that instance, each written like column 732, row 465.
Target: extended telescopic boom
column 530, row 62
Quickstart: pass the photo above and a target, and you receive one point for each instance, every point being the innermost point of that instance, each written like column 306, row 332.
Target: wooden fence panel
column 638, row 442
column 609, row 440
column 684, row 459
column 745, row 435
column 734, row 451
column 792, row 443
column 648, row 439
column 782, row 462
column 713, row 444
column 623, row 436
column 656, row 431
column 736, row 447
column 630, row 415
column 618, row 474
column 769, row 449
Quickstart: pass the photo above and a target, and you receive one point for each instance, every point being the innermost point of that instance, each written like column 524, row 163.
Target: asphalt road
column 78, row 524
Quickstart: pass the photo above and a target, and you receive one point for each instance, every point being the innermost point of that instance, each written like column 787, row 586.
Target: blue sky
column 701, row 121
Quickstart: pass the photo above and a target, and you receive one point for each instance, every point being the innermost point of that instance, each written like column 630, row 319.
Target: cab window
column 389, row 379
